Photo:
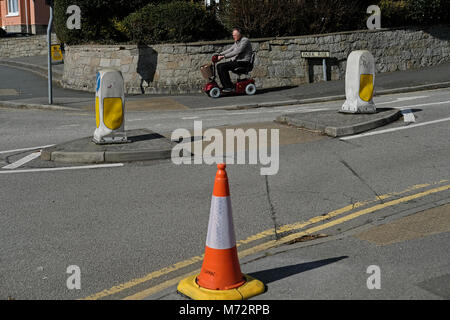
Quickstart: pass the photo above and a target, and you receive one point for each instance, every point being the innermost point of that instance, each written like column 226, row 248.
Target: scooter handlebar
column 215, row 58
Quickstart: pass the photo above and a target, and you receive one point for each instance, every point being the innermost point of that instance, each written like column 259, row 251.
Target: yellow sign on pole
column 57, row 53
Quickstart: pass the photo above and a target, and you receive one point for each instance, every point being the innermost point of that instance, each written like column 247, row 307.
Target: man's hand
column 220, row 57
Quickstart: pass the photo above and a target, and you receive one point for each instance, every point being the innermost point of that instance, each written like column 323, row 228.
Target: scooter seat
column 246, row 70
column 240, row 70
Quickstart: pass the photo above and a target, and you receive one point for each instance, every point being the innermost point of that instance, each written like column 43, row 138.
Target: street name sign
column 315, row 54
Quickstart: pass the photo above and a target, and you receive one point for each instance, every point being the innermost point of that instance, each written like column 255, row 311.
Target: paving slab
column 336, row 124
column 143, row 145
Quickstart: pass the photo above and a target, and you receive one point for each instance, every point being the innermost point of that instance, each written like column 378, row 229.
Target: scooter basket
column 207, row 71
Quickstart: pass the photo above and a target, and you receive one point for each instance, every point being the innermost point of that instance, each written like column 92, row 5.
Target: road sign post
column 49, row 43
column 324, row 55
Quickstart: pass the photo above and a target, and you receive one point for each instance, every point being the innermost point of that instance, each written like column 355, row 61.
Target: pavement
column 37, row 65
column 385, row 83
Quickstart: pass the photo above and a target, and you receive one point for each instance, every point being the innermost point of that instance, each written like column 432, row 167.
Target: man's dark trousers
column 223, row 69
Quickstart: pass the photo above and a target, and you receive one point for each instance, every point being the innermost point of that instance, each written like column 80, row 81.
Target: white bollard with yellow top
column 360, row 83
column 110, row 108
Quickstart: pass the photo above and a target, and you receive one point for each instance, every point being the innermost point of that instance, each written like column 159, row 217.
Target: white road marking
column 69, row 125
column 300, row 110
column 408, row 118
column 411, row 98
column 425, row 104
column 22, row 161
column 26, row 149
column 394, row 129
column 403, row 99
column 309, row 110
column 189, row 118
column 98, row 166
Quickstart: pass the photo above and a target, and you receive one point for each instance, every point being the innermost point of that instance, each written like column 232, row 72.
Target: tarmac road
column 124, row 226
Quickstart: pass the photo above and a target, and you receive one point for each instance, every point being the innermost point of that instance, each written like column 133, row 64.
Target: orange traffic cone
column 220, row 277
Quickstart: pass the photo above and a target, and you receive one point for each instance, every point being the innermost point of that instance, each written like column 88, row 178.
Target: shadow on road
column 146, row 137
column 272, row 275
column 274, row 89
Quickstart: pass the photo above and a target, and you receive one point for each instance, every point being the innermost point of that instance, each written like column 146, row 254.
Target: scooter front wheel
column 214, row 93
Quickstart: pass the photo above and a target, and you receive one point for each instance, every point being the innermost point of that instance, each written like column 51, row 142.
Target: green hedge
column 176, row 21
column 98, row 19
column 396, row 13
column 262, row 18
column 138, row 21
column 426, row 12
column 156, row 21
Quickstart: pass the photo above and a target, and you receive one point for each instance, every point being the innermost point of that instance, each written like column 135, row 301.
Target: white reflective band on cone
column 360, row 83
column 220, row 228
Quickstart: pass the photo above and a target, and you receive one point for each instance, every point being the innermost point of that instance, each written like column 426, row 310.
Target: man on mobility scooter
column 242, row 60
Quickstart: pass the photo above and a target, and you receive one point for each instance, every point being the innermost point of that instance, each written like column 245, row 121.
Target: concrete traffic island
column 143, row 145
column 111, row 142
column 358, row 113
column 337, row 124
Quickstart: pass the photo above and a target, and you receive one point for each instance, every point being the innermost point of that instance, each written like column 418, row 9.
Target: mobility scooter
column 242, row 86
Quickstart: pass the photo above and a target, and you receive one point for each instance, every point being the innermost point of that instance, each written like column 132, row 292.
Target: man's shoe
column 228, row 90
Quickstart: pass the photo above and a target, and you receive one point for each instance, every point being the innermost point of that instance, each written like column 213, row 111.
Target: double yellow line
column 272, row 243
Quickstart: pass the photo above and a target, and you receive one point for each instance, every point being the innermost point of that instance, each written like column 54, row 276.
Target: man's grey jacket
column 240, row 51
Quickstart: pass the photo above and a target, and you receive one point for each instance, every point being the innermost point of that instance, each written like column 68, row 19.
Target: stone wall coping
column 111, row 46
column 411, row 28
column 227, row 42
column 25, row 38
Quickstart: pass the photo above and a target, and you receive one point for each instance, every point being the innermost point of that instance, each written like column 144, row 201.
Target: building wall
column 13, row 23
column 38, row 16
column 1, row 15
column 175, row 68
column 41, row 12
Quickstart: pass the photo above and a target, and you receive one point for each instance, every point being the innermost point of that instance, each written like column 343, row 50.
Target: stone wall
column 24, row 46
column 174, row 68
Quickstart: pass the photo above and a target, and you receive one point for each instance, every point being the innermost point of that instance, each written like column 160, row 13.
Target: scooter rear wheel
column 214, row 93
column 250, row 89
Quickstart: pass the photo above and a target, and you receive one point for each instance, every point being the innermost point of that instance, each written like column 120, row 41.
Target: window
column 13, row 7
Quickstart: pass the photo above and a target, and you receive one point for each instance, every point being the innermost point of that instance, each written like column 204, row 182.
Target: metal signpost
column 49, row 42
column 319, row 54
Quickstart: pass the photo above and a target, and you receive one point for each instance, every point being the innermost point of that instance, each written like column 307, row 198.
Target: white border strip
column 426, row 104
column 394, row 129
column 26, row 149
column 22, row 161
column 113, row 165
